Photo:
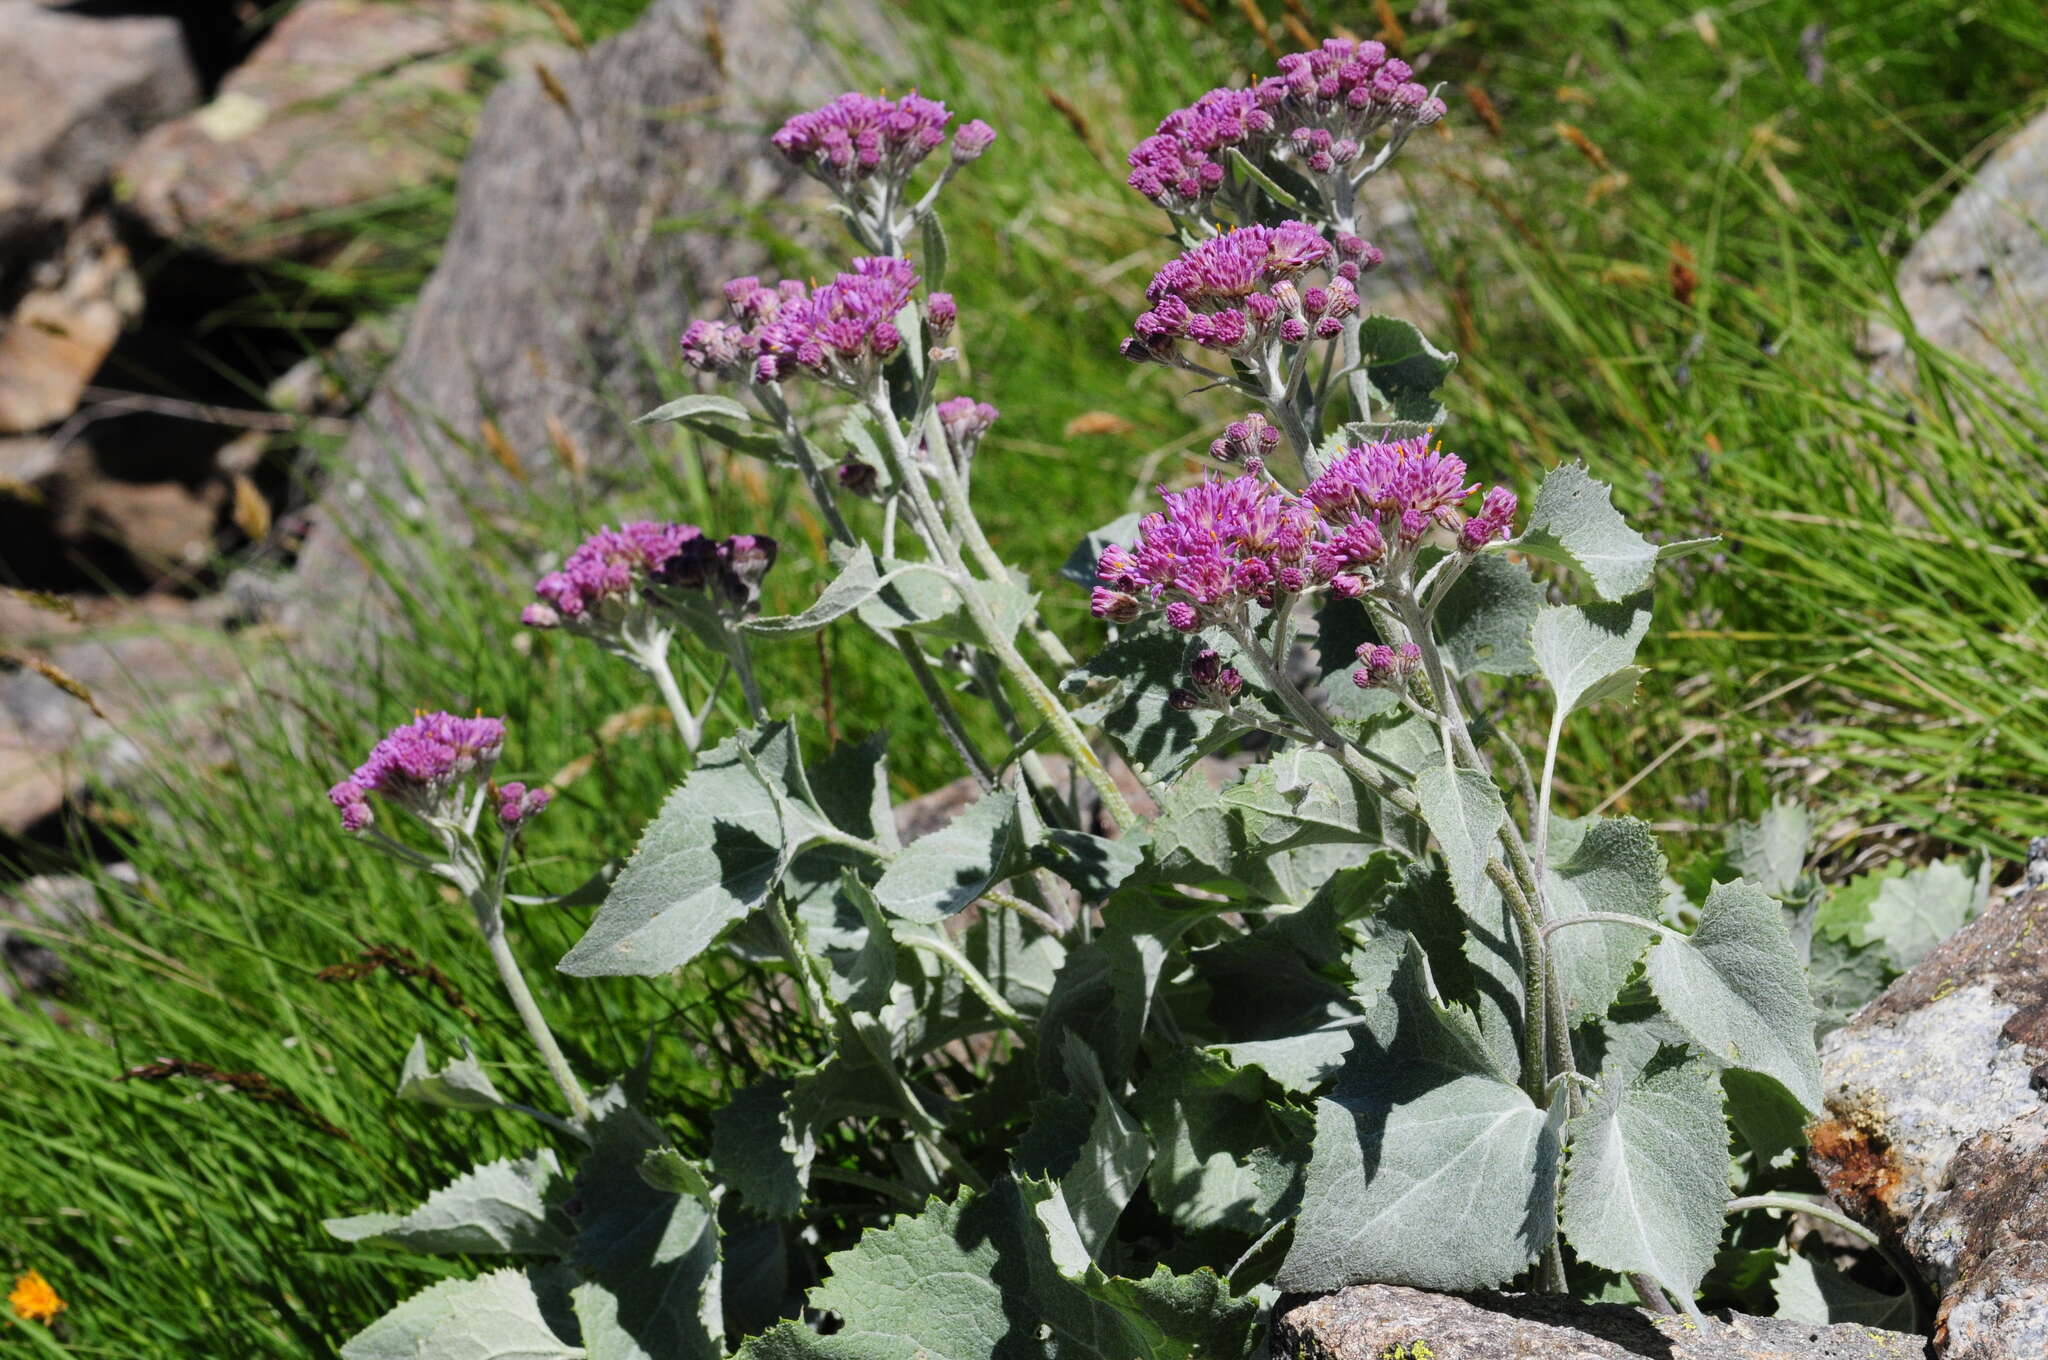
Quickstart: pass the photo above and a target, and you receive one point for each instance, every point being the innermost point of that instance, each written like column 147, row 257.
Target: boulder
column 344, row 103
column 1388, row 1322
column 78, row 86
column 593, row 219
column 1977, row 282
column 1936, row 1132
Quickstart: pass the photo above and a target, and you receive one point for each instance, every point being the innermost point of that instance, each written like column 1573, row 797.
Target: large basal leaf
column 1465, row 813
column 1916, row 911
column 649, row 1256
column 460, row 1085
column 1095, row 865
column 1587, row 653
column 1647, row 1178
column 941, row 874
column 493, row 1317
column 1574, row 521
column 1001, row 1276
column 712, row 854
column 1736, row 988
column 1104, row 990
column 1484, row 621
column 1429, row 1167
column 759, row 1151
column 1606, row 865
column 1113, row 1157
column 1302, row 797
column 510, row 1207
column 1771, row 850
column 1205, row 1117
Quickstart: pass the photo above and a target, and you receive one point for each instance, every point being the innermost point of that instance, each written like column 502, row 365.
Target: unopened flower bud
column 1182, row 616
column 940, row 312
column 1183, row 701
column 1116, row 606
column 858, row 477
column 971, row 139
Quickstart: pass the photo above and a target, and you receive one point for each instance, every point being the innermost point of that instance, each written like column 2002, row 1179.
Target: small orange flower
column 33, row 1300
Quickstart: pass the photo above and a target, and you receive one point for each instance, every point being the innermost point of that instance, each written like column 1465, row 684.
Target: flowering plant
column 1261, row 960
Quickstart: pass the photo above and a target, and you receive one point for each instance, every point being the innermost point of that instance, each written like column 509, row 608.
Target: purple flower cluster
column 1214, row 547
column 423, row 766
column 1249, row 441
column 518, row 805
column 1243, row 290
column 840, row 331
column 1386, row 667
column 858, row 137
column 608, row 577
column 1181, row 164
column 1319, row 112
column 1223, row 543
column 603, row 576
column 1398, row 490
column 1211, row 684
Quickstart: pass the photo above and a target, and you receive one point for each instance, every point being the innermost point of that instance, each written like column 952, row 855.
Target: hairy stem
column 1064, row 729
column 977, row 982
column 490, row 919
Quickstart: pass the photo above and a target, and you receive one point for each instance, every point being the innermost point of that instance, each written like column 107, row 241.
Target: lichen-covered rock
column 344, row 103
column 1389, row 1322
column 1936, row 1131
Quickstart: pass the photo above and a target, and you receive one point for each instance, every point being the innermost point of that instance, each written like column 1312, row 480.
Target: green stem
column 799, row 958
column 998, row 642
column 977, row 982
column 490, row 918
column 1535, row 984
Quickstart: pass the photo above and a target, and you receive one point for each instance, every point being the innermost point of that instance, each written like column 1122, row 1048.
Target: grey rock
column 343, row 103
column 78, row 87
column 1390, row 1322
column 1936, row 1133
column 1977, row 282
column 571, row 268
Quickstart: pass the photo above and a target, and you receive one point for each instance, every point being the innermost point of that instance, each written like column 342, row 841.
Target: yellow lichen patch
column 1408, row 1350
column 33, row 1300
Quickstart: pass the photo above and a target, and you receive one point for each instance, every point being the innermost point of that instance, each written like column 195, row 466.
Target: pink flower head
column 858, row 136
column 1386, row 667
column 1496, row 519
column 842, row 330
column 971, row 140
column 1238, row 291
column 603, row 576
column 1406, row 484
column 518, row 805
column 1215, row 546
column 428, row 766
column 1317, row 115
column 1183, row 162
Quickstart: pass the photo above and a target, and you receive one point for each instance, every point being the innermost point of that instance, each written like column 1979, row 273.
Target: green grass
column 1849, row 644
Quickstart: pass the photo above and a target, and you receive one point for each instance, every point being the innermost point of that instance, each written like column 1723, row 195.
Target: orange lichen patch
column 33, row 1300
column 1856, row 1165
